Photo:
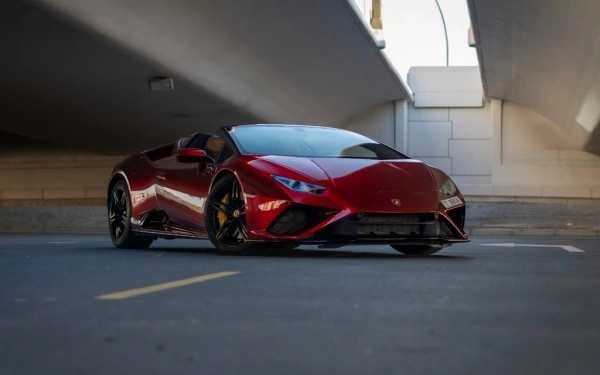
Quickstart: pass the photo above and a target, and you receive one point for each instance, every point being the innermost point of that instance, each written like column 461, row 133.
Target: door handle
column 160, row 176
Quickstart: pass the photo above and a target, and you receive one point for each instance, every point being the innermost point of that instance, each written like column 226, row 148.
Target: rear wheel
column 417, row 249
column 119, row 220
column 225, row 218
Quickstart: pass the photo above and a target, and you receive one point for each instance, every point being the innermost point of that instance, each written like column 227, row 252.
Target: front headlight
column 448, row 189
column 300, row 186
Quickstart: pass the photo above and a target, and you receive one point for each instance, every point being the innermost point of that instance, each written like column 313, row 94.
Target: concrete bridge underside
column 75, row 73
column 544, row 55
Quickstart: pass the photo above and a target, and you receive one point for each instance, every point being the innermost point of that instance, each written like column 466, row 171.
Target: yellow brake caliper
column 221, row 215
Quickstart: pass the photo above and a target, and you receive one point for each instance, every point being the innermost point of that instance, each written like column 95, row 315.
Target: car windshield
column 308, row 141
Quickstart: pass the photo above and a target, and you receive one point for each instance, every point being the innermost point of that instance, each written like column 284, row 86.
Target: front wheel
column 225, row 218
column 119, row 220
column 417, row 249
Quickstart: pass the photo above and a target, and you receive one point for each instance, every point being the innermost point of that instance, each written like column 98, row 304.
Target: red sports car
column 252, row 187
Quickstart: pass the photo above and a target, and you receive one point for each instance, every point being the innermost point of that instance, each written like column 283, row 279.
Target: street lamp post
column 445, row 33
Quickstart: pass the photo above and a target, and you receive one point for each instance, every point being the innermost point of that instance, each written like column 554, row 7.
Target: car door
column 185, row 187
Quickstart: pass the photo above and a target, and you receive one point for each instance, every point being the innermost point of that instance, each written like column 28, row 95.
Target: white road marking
column 20, row 300
column 50, row 299
column 569, row 248
column 62, row 242
column 572, row 249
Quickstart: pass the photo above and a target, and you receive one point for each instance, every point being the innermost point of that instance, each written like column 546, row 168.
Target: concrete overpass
column 544, row 55
column 76, row 73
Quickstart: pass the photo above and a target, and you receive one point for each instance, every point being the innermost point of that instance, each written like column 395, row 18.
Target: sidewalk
column 533, row 219
column 483, row 219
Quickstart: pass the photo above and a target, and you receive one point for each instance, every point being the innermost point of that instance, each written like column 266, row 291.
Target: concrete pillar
column 401, row 126
column 496, row 135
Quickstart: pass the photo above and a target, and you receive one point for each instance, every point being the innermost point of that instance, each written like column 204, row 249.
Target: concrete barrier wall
column 35, row 173
column 55, row 177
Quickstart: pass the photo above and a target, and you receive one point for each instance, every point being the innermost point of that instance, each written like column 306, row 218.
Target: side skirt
column 170, row 235
column 157, row 224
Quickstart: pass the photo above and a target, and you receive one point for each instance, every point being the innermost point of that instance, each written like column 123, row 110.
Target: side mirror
column 190, row 155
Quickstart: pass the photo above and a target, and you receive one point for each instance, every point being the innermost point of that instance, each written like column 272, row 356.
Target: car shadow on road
column 349, row 254
column 304, row 253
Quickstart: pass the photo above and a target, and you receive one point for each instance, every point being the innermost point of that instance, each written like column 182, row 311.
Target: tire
column 417, row 249
column 119, row 220
column 225, row 218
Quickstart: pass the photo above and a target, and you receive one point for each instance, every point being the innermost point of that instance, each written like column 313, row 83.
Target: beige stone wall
column 34, row 173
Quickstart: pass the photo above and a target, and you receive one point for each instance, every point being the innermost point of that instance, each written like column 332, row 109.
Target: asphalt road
column 72, row 304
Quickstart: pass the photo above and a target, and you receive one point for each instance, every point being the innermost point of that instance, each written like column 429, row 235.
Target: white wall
column 489, row 147
column 449, row 125
column 529, row 138
column 384, row 123
column 456, row 140
column 376, row 123
column 534, row 158
column 441, row 87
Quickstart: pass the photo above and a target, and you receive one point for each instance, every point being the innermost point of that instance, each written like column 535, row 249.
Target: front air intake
column 380, row 225
column 296, row 219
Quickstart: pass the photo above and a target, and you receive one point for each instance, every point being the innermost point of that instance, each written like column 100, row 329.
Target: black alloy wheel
column 225, row 217
column 117, row 213
column 119, row 220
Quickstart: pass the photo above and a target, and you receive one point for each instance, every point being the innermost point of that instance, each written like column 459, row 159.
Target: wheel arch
column 222, row 174
column 118, row 176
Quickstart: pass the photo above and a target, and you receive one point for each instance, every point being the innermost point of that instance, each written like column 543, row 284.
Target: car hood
column 367, row 175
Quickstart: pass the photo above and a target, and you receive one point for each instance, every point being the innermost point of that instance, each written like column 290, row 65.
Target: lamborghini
column 253, row 187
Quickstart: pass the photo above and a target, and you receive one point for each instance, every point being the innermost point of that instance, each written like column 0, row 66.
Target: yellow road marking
column 160, row 287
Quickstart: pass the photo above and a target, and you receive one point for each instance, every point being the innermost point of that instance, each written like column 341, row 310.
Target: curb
column 531, row 232
column 57, row 230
